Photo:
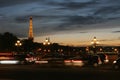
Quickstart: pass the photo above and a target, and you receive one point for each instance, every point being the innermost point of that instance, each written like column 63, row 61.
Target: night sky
column 67, row 22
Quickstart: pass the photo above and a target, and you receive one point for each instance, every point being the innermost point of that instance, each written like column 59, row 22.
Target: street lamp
column 47, row 42
column 87, row 49
column 116, row 50
column 94, row 43
column 18, row 44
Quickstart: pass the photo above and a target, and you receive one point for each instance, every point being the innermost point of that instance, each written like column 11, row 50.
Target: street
column 48, row 72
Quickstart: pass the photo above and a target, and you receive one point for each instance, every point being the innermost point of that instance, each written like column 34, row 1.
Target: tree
column 7, row 41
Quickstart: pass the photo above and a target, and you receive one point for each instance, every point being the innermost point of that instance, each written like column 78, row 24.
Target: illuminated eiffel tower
column 30, row 36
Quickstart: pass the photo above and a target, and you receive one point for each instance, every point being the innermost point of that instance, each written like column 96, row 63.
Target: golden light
column 94, row 41
column 47, row 42
column 18, row 43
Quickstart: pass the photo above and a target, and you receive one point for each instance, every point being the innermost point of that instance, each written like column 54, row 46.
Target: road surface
column 38, row 72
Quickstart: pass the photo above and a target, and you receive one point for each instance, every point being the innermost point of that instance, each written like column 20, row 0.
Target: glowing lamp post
column 46, row 43
column 116, row 50
column 18, row 44
column 94, row 43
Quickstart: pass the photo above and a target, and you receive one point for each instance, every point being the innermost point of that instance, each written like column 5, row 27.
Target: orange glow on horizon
column 77, row 39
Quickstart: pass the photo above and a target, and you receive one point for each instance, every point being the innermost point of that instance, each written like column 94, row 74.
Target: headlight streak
column 9, row 62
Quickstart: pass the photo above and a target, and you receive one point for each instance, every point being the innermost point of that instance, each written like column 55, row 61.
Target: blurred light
column 18, row 43
column 74, row 63
column 9, row 62
column 77, row 63
column 41, row 62
column 106, row 61
column 6, row 58
column 68, row 62
column 114, row 62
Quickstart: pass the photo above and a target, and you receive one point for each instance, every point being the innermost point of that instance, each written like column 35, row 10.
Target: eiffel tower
column 30, row 36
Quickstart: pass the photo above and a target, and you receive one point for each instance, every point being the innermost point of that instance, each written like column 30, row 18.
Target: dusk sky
column 67, row 22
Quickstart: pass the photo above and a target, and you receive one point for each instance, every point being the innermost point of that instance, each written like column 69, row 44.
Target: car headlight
column 114, row 62
column 9, row 62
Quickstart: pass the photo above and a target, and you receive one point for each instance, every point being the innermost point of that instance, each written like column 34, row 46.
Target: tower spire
column 30, row 36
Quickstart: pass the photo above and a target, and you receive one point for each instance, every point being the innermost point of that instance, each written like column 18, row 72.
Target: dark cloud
column 22, row 19
column 84, row 20
column 2, row 17
column 83, row 32
column 75, row 22
column 75, row 5
column 67, row 22
column 116, row 31
column 25, row 18
column 20, row 35
column 6, row 3
column 72, row 4
column 105, row 40
column 108, row 10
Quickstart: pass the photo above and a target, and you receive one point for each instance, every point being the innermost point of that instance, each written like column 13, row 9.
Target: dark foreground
column 37, row 72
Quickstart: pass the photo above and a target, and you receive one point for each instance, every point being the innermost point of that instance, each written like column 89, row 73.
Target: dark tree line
column 7, row 42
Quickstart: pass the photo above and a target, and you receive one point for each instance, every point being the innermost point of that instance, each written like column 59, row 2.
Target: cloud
column 118, row 38
column 51, row 16
column 83, row 32
column 110, row 12
column 84, row 20
column 116, row 31
column 105, row 40
column 6, row 3
column 108, row 9
column 77, row 22
column 22, row 19
column 72, row 4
